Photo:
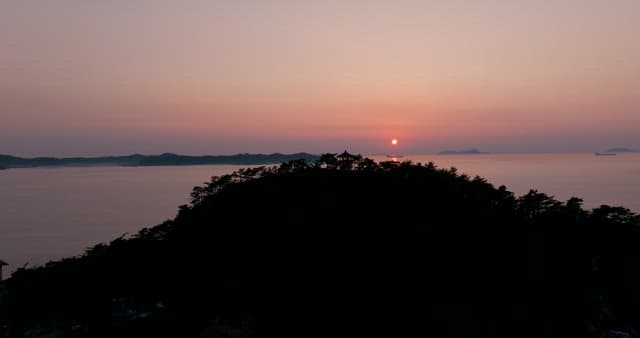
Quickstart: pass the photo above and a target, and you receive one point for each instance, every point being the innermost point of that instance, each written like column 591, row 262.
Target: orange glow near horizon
column 284, row 76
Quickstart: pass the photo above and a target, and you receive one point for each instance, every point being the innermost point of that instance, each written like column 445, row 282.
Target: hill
column 7, row 161
column 346, row 248
column 621, row 150
column 472, row 151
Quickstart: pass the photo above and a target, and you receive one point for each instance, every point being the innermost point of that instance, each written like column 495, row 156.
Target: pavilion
column 346, row 157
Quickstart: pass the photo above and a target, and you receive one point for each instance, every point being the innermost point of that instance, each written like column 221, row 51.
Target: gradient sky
column 89, row 77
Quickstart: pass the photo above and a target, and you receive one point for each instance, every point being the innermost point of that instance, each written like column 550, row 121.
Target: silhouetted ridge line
column 347, row 247
column 166, row 159
column 621, row 150
column 472, row 151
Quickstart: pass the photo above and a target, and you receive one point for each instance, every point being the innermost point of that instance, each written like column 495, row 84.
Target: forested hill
column 347, row 248
column 8, row 161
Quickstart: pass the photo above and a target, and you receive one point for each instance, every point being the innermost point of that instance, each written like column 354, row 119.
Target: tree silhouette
column 347, row 248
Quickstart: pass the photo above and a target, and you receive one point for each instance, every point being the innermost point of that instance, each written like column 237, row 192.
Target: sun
column 394, row 142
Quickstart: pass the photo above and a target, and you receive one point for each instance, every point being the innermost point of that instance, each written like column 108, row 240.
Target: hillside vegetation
column 347, row 248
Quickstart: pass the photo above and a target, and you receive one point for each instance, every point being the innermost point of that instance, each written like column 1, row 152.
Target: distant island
column 166, row 159
column 472, row 151
column 621, row 150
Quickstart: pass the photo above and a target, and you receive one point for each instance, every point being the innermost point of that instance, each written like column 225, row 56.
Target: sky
column 89, row 77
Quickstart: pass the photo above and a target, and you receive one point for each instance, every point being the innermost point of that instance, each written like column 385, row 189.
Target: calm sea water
column 49, row 213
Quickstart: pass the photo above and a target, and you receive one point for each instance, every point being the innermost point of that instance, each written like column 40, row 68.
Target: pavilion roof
column 345, row 154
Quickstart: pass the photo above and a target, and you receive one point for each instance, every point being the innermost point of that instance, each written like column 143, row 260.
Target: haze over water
column 49, row 213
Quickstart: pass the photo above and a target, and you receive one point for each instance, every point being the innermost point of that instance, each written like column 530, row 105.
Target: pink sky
column 114, row 77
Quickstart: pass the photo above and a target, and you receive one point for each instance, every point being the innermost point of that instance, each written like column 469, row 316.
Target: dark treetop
column 346, row 248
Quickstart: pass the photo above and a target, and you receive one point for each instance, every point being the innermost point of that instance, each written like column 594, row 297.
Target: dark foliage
column 347, row 248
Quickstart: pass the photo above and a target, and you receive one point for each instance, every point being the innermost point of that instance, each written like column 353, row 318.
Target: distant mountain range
column 472, row 151
column 167, row 159
column 622, row 150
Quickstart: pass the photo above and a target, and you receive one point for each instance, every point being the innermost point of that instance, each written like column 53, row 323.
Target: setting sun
column 394, row 142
